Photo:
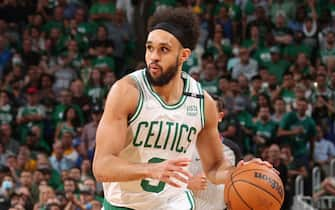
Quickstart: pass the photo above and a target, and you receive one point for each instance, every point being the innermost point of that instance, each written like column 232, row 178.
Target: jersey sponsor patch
column 192, row 110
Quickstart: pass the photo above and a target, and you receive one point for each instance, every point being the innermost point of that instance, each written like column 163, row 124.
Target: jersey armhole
column 202, row 105
column 139, row 105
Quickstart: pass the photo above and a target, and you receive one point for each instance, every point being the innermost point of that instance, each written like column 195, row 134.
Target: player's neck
column 172, row 91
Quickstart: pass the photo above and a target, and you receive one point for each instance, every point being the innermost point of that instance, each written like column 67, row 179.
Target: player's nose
column 154, row 56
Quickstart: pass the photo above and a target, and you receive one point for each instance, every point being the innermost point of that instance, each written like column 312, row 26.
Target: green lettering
column 180, row 149
column 175, row 137
column 150, row 133
column 169, row 125
column 158, row 136
column 189, row 139
column 135, row 143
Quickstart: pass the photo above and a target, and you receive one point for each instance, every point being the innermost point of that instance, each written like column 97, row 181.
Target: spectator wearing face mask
column 7, row 187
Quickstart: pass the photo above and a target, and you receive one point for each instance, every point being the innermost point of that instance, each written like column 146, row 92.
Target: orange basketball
column 254, row 186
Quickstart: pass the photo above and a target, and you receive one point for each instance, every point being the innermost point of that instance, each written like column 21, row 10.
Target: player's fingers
column 180, row 161
column 179, row 177
column 180, row 170
column 261, row 162
column 276, row 171
column 255, row 160
column 258, row 161
column 164, row 177
column 170, row 182
column 184, row 172
column 241, row 163
column 182, row 164
column 205, row 185
column 265, row 163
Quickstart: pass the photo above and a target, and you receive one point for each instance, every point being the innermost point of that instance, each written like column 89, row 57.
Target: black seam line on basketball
column 252, row 169
column 228, row 202
column 238, row 194
column 265, row 190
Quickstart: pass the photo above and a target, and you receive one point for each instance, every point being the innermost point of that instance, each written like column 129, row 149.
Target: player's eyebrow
column 166, row 44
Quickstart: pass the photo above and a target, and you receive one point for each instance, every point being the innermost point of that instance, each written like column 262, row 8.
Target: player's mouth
column 154, row 68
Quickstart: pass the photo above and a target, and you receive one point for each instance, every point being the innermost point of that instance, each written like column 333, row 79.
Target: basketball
column 254, row 186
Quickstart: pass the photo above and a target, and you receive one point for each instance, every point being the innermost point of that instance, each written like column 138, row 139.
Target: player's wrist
column 148, row 170
column 227, row 173
column 221, row 175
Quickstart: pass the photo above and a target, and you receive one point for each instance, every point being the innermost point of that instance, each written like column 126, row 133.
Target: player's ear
column 185, row 54
column 221, row 116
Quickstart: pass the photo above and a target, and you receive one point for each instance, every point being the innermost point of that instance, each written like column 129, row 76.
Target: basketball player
column 207, row 195
column 153, row 121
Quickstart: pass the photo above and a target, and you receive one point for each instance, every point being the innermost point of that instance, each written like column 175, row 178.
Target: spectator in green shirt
column 261, row 21
column 287, row 8
column 265, row 129
column 103, row 61
column 254, row 41
column 6, row 108
column 158, row 4
column 286, row 90
column 210, row 81
column 57, row 21
column 298, row 129
column 72, row 56
column 30, row 114
column 281, row 33
column 65, row 101
column 301, row 67
column 277, row 66
column 85, row 27
column 102, row 11
column 245, row 121
column 298, row 46
column 219, row 45
column 56, row 42
column 94, row 87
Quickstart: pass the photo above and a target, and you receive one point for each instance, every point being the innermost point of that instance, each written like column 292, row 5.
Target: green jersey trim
column 139, row 104
column 108, row 206
column 160, row 100
column 190, row 199
column 202, row 106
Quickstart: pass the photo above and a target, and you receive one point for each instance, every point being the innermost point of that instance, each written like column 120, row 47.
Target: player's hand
column 258, row 161
column 171, row 171
column 197, row 182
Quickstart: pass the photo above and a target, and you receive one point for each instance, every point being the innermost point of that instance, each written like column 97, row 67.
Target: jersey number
column 153, row 185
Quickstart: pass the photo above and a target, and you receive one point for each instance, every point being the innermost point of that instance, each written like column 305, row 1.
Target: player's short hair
column 181, row 22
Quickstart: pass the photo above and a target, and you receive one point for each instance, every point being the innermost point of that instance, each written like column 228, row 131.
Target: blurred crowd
column 269, row 63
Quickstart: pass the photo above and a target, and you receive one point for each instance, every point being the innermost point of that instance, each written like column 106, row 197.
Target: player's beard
column 165, row 77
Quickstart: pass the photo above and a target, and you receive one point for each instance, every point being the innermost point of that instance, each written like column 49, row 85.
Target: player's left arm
column 216, row 167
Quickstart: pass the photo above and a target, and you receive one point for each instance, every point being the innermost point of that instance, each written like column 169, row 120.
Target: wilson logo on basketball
column 275, row 185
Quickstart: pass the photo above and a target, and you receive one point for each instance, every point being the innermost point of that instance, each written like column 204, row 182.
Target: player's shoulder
column 124, row 91
column 128, row 83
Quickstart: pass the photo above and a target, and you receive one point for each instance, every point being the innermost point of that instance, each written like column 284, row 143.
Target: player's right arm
column 111, row 139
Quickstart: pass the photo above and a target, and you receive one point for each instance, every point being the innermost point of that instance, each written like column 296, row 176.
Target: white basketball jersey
column 157, row 132
column 212, row 198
